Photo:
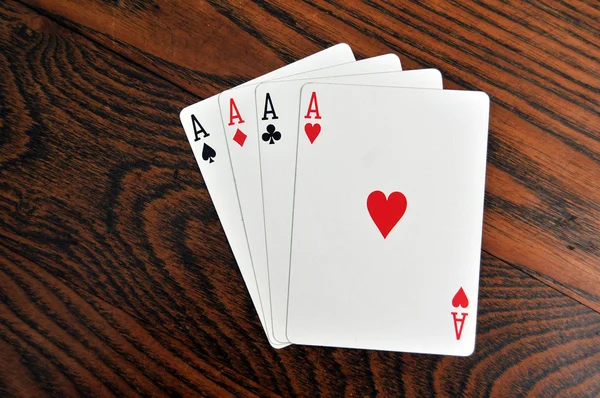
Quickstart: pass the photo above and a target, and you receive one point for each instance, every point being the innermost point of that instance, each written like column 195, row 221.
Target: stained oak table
column 116, row 277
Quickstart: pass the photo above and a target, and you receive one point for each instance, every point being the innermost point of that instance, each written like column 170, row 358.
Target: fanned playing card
column 277, row 107
column 387, row 218
column 206, row 135
column 238, row 111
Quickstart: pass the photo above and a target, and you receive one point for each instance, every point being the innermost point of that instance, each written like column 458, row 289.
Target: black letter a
column 268, row 103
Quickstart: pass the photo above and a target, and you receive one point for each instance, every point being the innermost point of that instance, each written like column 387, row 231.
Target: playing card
column 238, row 110
column 205, row 132
column 387, row 218
column 277, row 106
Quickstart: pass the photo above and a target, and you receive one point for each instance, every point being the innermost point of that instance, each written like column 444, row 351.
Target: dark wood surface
column 115, row 275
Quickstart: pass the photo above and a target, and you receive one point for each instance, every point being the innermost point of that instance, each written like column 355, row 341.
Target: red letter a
column 459, row 323
column 234, row 113
column 313, row 107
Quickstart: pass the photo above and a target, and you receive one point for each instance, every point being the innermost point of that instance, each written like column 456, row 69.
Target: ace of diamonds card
column 387, row 218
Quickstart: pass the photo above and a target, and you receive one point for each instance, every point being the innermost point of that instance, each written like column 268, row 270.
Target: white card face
column 387, row 218
column 238, row 110
column 204, row 128
column 277, row 105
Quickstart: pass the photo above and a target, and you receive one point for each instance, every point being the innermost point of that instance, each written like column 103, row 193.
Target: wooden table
column 116, row 277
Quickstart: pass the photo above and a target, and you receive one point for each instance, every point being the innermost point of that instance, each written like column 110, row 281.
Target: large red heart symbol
column 386, row 212
column 312, row 131
column 460, row 299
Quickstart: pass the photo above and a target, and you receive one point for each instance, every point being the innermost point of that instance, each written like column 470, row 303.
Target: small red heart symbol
column 460, row 299
column 312, row 131
column 386, row 212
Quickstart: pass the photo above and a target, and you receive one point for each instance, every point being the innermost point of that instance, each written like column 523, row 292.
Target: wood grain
column 116, row 278
column 538, row 61
column 66, row 342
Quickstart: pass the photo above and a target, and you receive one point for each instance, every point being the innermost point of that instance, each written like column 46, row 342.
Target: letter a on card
column 269, row 109
column 234, row 113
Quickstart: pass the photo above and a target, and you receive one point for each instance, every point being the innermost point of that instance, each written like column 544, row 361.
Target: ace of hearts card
column 387, row 218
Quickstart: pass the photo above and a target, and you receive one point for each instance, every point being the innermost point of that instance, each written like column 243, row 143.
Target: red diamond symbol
column 239, row 137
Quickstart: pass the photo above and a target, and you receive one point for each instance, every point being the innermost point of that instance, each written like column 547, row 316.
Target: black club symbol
column 271, row 135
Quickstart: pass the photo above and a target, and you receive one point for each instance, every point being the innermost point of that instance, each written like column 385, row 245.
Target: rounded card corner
column 470, row 350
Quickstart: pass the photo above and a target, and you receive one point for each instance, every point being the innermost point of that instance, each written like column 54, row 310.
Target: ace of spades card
column 205, row 132
column 387, row 218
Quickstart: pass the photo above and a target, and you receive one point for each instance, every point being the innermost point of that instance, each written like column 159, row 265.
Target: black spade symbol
column 208, row 153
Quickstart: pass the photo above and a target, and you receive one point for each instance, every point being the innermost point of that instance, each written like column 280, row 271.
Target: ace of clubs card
column 279, row 103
